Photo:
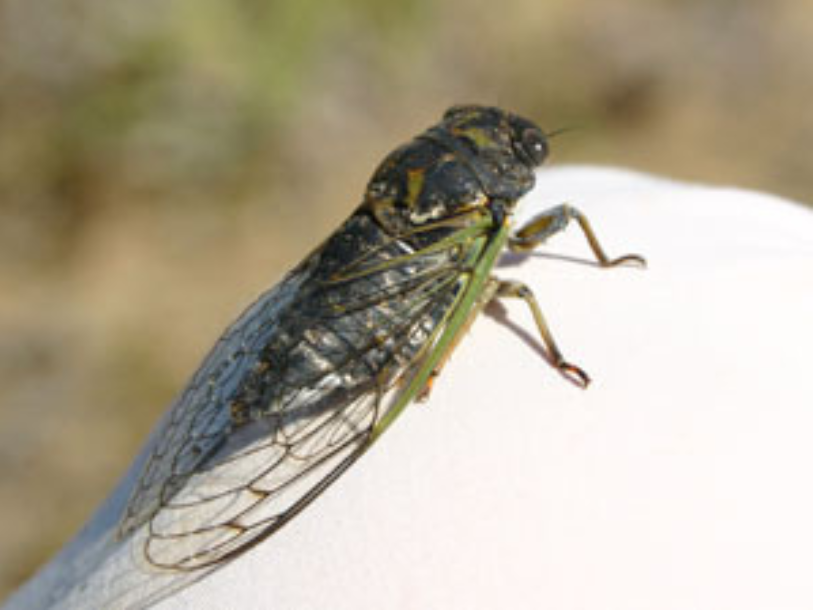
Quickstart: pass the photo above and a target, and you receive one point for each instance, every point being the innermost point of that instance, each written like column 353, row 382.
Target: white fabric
column 679, row 479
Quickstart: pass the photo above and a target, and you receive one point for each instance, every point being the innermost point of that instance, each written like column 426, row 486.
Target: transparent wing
column 288, row 399
column 199, row 420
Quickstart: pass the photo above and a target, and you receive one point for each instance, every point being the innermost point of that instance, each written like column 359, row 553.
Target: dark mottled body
column 294, row 390
column 357, row 312
column 349, row 336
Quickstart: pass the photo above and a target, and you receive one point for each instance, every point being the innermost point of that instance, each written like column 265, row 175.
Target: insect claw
column 574, row 374
column 629, row 259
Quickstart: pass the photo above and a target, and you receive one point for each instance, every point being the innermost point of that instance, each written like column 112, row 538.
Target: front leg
column 556, row 219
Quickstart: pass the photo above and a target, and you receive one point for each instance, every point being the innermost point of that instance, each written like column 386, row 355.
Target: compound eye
column 535, row 145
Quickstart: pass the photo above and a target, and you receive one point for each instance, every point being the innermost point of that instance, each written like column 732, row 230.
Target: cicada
column 307, row 379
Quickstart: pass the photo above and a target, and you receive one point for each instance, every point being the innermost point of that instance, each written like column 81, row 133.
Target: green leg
column 489, row 292
column 556, row 219
column 498, row 288
column 514, row 289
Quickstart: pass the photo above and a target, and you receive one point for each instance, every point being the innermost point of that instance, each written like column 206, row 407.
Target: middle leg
column 515, row 289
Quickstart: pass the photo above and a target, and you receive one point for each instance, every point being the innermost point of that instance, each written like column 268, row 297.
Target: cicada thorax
column 463, row 164
column 419, row 184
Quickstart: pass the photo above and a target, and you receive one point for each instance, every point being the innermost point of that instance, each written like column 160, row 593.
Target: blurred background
column 161, row 163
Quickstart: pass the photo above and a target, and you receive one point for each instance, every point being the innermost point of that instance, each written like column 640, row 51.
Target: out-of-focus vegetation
column 161, row 162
